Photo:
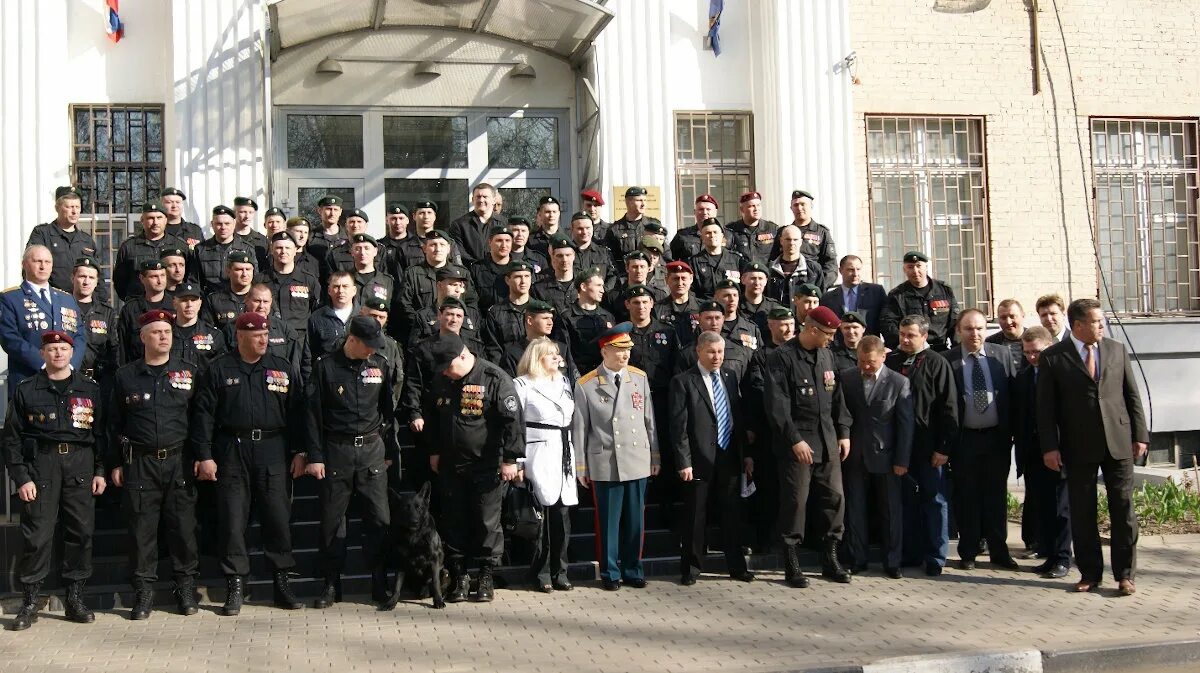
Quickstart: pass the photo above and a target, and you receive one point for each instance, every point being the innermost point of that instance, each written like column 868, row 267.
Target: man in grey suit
column 880, row 402
column 616, row 449
column 1090, row 417
column 981, row 456
column 856, row 295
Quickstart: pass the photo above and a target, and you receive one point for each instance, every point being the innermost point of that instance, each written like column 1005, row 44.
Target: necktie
column 45, row 296
column 851, row 299
column 721, row 406
column 979, row 385
column 617, row 382
column 1090, row 362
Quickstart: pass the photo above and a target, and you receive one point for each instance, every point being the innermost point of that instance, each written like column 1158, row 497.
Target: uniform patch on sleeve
column 510, row 403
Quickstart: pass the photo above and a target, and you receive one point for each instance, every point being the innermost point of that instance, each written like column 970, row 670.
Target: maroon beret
column 749, row 196
column 824, row 316
column 678, row 267
column 54, row 336
column 708, row 198
column 155, row 316
column 592, row 195
column 252, row 321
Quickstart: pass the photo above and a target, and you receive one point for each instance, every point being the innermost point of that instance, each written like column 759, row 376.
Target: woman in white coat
column 547, row 398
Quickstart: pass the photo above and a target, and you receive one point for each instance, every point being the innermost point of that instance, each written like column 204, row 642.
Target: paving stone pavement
column 715, row 625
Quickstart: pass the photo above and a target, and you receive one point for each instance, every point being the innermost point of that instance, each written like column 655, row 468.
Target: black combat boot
column 460, row 583
column 791, row 567
column 831, row 567
column 185, row 597
column 487, row 584
column 235, row 588
column 73, row 606
column 27, row 615
column 328, row 595
column 143, row 602
column 284, row 598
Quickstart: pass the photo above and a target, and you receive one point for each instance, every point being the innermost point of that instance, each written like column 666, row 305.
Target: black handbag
column 521, row 514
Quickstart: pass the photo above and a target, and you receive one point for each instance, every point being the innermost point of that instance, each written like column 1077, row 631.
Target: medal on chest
column 181, row 380
column 298, row 291
column 471, row 401
column 202, row 341
column 277, row 381
column 372, row 375
column 830, row 382
column 82, row 413
column 98, row 327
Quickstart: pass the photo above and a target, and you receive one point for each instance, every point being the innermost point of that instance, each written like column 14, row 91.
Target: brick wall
column 1127, row 58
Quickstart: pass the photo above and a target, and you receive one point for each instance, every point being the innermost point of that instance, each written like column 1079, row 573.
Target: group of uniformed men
column 250, row 358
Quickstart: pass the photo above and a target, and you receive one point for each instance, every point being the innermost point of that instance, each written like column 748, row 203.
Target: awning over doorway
column 565, row 28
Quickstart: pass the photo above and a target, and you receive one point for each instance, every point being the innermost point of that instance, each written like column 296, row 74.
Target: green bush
column 1168, row 502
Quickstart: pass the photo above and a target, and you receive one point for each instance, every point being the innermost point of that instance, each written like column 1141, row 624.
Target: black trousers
column 796, row 482
column 883, row 490
column 550, row 550
column 160, row 492
column 1047, row 504
column 64, row 491
column 980, row 467
column 1081, row 491
column 724, row 492
column 253, row 472
column 762, row 508
column 471, row 503
column 354, row 470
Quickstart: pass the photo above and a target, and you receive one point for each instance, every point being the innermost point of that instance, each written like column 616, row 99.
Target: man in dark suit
column 1046, row 503
column 982, row 454
column 855, row 294
column 708, row 434
column 881, row 404
column 1090, row 417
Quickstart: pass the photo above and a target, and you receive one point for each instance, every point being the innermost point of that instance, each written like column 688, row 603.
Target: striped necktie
column 721, row 406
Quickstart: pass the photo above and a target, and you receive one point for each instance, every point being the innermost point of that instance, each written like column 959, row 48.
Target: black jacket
column 693, row 421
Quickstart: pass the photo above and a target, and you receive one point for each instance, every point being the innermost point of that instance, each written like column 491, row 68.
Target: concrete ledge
column 1012, row 661
column 1123, row 657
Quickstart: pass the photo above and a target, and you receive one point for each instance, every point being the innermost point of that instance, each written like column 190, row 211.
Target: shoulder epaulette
column 587, row 377
column 635, row 370
column 10, row 289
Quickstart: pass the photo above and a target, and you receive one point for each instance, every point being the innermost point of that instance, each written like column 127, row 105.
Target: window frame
column 693, row 168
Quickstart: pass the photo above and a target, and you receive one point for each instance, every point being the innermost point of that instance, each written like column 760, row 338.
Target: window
column 1145, row 193
column 117, row 164
column 714, row 154
column 324, row 141
column 928, row 191
column 425, row 142
column 523, row 142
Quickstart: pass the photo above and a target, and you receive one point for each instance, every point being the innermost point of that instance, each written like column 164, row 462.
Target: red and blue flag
column 114, row 27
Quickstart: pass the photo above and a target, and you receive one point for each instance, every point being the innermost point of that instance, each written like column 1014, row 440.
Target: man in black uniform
column 214, row 254
column 299, row 228
column 539, row 322
column 537, row 256
column 637, row 272
column 149, row 426
column 98, row 318
column 340, row 256
column 590, row 203
column 366, row 271
column 247, row 419
column 451, row 284
column 751, row 236
column 189, row 232
column 417, row 288
column 736, row 326
column 686, row 243
column 817, row 242
column 244, row 210
column 225, row 304
column 194, row 338
column 715, row 262
column 274, row 222
column 488, row 272
column 142, row 247
column 811, row 431
column 680, row 307
column 625, row 234
column 54, row 421
column 504, row 322
column 806, row 298
column 477, row 435
column 175, row 261
column 754, row 304
column 655, row 347
column 845, row 348
column 282, row 340
column 153, row 295
column 64, row 239
column 395, row 240
column 590, row 252
column 470, row 230
column 297, row 292
column 585, row 319
column 763, row 506
column 557, row 287
column 329, row 232
column 920, row 295
column 352, row 443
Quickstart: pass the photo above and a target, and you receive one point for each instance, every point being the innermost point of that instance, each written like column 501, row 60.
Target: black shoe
column 966, row 564
column 1007, row 563
column 562, row 584
column 831, row 567
column 610, row 585
column 687, row 579
column 284, row 597
column 1030, row 554
column 73, row 606
column 933, row 569
column 143, row 603
column 742, row 576
column 460, row 585
column 791, row 567
column 546, row 588
column 1057, row 571
column 379, row 585
column 857, row 569
column 185, row 597
column 27, row 615
column 487, row 585
column 328, row 595
column 893, row 573
column 235, row 588
column 1042, row 568
column 635, row 582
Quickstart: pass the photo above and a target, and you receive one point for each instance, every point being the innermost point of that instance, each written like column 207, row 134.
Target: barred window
column 928, row 191
column 117, row 163
column 714, row 154
column 1145, row 195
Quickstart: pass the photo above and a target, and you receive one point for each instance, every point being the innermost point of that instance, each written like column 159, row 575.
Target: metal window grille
column 928, row 191
column 1145, row 194
column 117, row 163
column 714, row 154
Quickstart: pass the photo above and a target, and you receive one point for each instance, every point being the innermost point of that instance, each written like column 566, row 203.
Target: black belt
column 61, row 448
column 356, row 440
column 254, row 435
column 159, row 452
column 566, row 442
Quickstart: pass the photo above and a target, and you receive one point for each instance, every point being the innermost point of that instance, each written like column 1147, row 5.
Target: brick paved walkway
column 715, row 625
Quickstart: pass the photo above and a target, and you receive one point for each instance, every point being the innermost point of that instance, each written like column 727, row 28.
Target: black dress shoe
column 561, row 584
column 1007, row 563
column 637, row 583
column 893, row 573
column 1042, row 568
column 933, row 569
column 687, row 580
column 610, row 585
column 1057, row 571
column 742, row 576
column 858, row 568
column 966, row 564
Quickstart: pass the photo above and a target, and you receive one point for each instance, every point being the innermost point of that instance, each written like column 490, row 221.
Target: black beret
column 636, row 291
column 238, row 257
column 655, row 228
column 445, row 348
column 329, row 200
column 559, row 242
column 275, row 211
column 435, row 234
column 781, row 313
column 283, row 236
column 807, row 290
column 517, row 219
column 726, row 284
column 756, row 267
column 187, row 290
column 171, row 191
column 358, row 212
column 914, row 256
column 245, row 201
column 452, row 302
column 587, row 274
column 710, row 221
column 637, row 254
column 397, row 209
column 367, row 330
column 635, row 191
column 709, row 306
column 223, row 210
column 425, row 204
column 172, row 252
column 533, row 307
column 581, row 216
column 499, row 230
column 86, row 261
column 451, row 272
column 153, row 207
column 854, row 317
column 798, row 193
column 375, row 303
column 518, row 265
column 548, row 199
column 66, row 191
column 362, row 238
column 150, row 265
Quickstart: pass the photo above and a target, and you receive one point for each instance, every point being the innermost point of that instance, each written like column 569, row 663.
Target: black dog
column 415, row 548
